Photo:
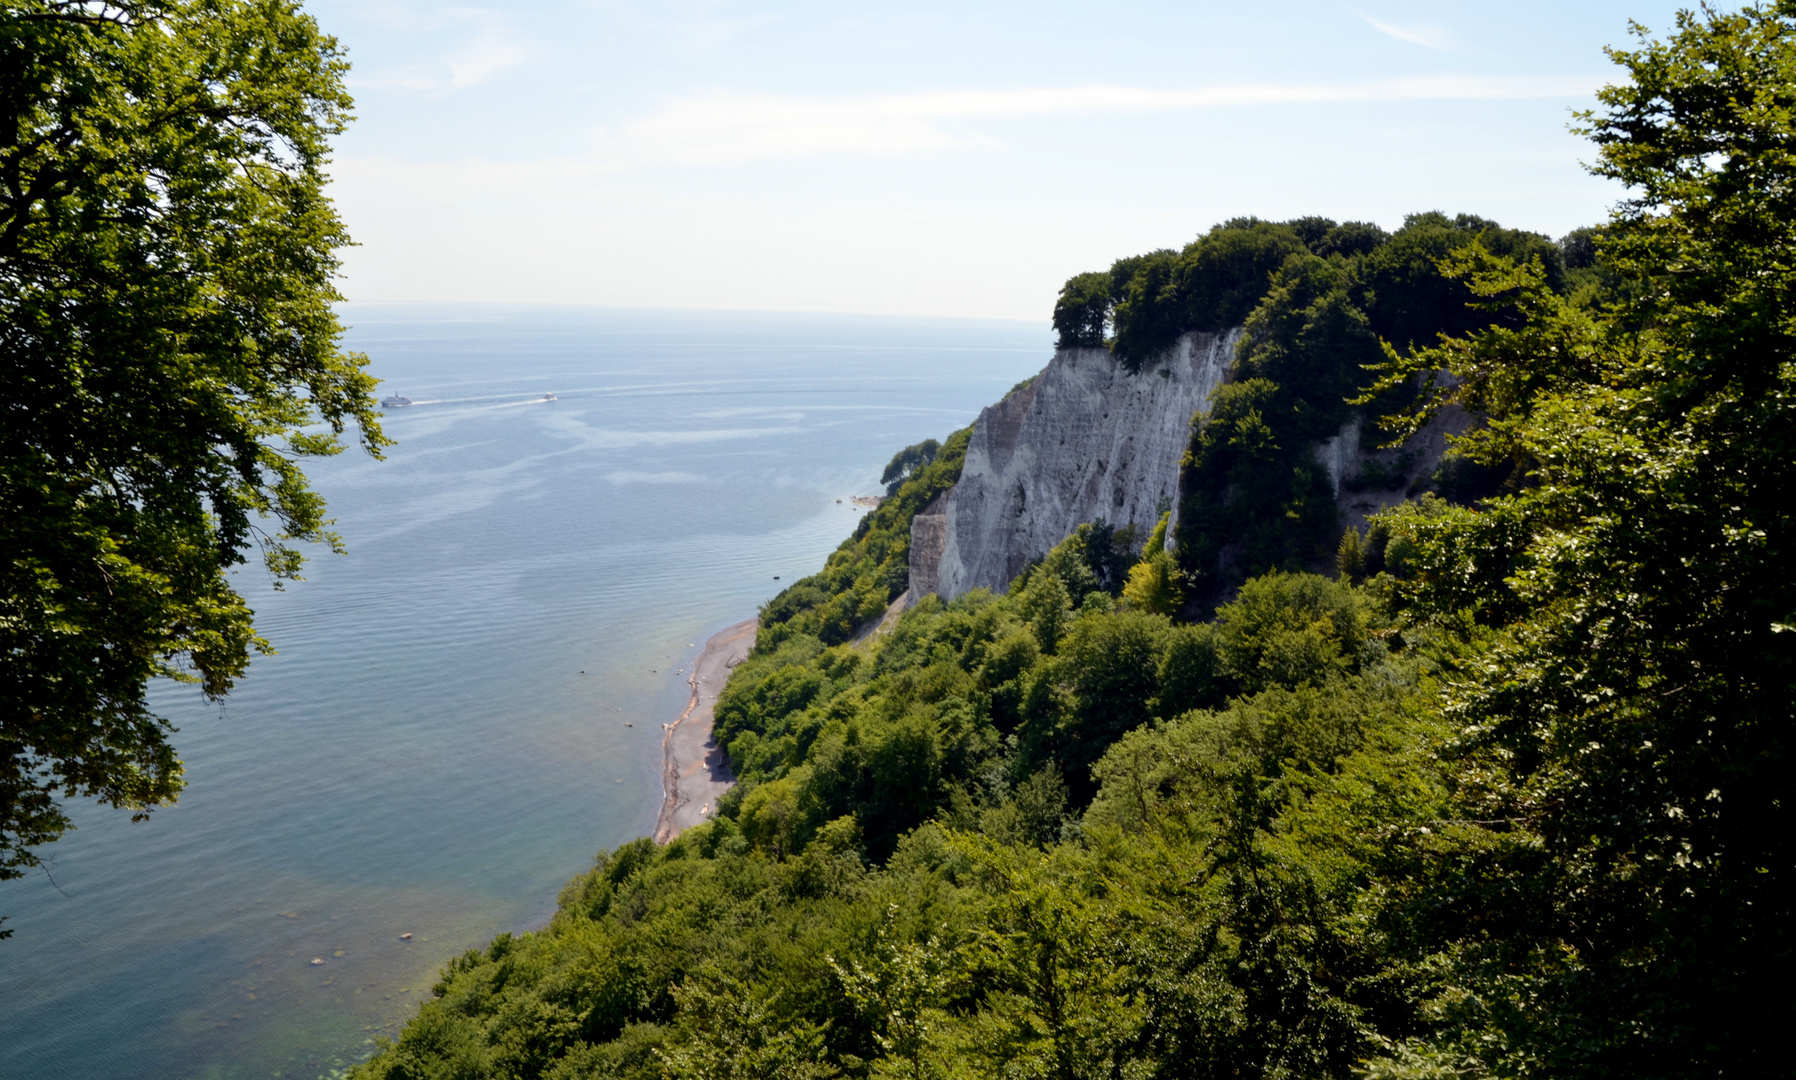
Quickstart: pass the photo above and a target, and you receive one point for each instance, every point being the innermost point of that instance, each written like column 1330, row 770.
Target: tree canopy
column 1625, row 726
column 907, row 463
column 168, row 357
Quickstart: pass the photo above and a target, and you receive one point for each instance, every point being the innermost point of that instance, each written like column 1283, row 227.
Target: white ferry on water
column 395, row 402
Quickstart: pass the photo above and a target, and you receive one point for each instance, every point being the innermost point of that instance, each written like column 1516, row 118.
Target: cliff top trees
column 168, row 355
column 1082, row 313
column 907, row 463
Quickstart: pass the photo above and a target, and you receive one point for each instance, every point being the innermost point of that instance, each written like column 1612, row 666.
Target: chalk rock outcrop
column 1085, row 440
column 1369, row 478
column 928, row 535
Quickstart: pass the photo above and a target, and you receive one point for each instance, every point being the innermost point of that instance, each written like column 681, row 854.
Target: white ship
column 395, row 402
column 550, row 396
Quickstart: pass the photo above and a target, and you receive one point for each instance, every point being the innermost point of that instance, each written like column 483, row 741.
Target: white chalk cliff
column 1085, row 440
column 1088, row 440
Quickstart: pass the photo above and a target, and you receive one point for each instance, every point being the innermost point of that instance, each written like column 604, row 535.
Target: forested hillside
column 1502, row 795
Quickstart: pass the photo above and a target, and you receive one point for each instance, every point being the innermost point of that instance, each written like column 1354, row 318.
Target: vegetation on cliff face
column 907, row 462
column 1319, row 302
column 872, row 567
column 1254, row 495
column 1516, row 805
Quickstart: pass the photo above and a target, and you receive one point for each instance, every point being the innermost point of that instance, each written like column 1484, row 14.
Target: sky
column 925, row 158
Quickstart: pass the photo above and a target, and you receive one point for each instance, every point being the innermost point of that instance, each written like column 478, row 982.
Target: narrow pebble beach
column 695, row 770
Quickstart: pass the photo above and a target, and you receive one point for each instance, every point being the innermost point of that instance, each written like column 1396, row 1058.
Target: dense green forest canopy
column 1142, row 303
column 1507, row 797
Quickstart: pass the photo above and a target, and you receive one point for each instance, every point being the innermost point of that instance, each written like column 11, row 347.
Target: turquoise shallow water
column 425, row 755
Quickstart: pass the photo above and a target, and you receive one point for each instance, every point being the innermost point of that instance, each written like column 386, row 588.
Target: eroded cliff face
column 1088, row 440
column 928, row 535
column 1368, row 478
column 1085, row 440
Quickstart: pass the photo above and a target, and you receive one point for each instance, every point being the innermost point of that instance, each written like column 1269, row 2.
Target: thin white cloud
column 722, row 128
column 734, row 127
column 484, row 58
column 1429, row 37
column 493, row 49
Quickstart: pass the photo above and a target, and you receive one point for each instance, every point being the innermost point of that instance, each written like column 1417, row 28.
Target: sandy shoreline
column 694, row 769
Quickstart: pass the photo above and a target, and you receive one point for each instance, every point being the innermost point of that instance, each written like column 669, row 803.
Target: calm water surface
column 445, row 736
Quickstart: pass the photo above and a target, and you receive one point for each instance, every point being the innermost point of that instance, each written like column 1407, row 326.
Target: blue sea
column 467, row 706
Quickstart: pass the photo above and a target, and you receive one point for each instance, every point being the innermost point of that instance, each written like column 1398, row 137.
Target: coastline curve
column 694, row 769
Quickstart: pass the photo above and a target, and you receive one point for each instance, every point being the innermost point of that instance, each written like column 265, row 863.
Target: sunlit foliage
column 168, row 358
